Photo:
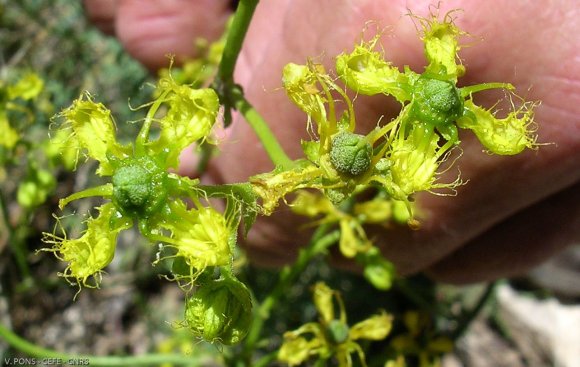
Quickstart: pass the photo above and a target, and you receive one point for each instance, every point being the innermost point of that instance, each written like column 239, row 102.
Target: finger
column 150, row 30
column 518, row 244
column 102, row 14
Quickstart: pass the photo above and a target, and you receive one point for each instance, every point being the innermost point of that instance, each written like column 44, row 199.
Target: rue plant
column 346, row 179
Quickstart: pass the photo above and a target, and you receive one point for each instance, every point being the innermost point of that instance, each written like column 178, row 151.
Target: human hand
column 514, row 211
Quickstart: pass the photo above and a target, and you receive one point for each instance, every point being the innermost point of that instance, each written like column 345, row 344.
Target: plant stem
column 231, row 95
column 235, row 39
column 319, row 243
column 34, row 350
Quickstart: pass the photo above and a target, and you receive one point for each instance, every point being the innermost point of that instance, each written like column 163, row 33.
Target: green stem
column 231, row 95
column 235, row 39
column 267, row 138
column 34, row 350
column 472, row 314
column 319, row 243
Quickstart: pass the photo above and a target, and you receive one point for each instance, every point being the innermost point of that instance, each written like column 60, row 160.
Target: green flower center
column 139, row 187
column 350, row 153
column 437, row 102
column 338, row 331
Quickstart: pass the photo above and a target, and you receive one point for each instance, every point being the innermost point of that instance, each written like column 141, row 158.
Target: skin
column 512, row 214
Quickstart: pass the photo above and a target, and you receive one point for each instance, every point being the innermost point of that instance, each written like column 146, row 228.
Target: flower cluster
column 197, row 238
column 331, row 336
column 401, row 157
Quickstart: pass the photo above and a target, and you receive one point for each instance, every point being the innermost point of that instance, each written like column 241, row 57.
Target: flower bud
column 220, row 311
column 350, row 153
column 378, row 270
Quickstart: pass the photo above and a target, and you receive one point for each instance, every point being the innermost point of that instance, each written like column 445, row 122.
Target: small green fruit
column 437, row 102
column 138, row 186
column 350, row 153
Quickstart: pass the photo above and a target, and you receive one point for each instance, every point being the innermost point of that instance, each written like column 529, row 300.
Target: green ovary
column 350, row 153
column 138, row 187
column 437, row 102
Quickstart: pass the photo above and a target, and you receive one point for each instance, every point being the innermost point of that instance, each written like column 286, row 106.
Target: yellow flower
column 331, row 336
column 190, row 117
column 200, row 236
column 88, row 255
column 28, row 87
column 91, row 128
column 141, row 187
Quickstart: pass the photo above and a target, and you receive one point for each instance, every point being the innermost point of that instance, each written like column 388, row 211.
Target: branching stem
column 320, row 242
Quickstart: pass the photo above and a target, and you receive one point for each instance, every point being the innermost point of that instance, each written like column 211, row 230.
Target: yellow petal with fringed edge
column 366, row 72
column 191, row 116
column 92, row 126
column 504, row 136
column 89, row 254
